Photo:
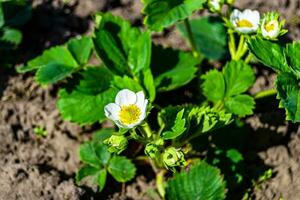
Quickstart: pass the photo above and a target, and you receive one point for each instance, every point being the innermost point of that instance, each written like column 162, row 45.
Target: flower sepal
column 173, row 157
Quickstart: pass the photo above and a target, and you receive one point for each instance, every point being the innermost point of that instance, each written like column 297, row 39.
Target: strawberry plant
column 135, row 76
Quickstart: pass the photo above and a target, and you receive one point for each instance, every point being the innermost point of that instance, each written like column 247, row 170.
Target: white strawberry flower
column 246, row 21
column 271, row 27
column 129, row 109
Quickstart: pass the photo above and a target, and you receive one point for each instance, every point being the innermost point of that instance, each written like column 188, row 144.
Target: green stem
column 146, row 129
column 160, row 183
column 240, row 50
column 265, row 93
column 231, row 45
column 191, row 37
column 249, row 58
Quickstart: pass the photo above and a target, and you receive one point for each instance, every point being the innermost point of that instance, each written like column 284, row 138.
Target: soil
column 33, row 167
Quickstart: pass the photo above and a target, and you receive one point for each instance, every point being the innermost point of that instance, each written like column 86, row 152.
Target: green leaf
column 52, row 73
column 16, row 13
column 269, row 53
column 121, row 168
column 177, row 129
column 101, row 179
column 53, row 65
column 208, row 30
column 88, row 155
column 1, row 16
column 292, row 56
column 234, row 155
column 148, row 82
column 202, row 182
column 172, row 69
column 11, row 35
column 205, row 119
column 140, row 54
column 83, row 108
column 126, row 83
column 81, row 49
column 84, row 172
column 213, row 85
column 241, row 105
column 239, row 77
column 289, row 95
column 167, row 116
column 95, row 154
column 85, row 102
column 103, row 134
column 94, row 80
column 114, row 38
column 161, row 14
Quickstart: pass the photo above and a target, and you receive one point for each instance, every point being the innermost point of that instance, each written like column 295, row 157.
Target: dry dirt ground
column 33, row 168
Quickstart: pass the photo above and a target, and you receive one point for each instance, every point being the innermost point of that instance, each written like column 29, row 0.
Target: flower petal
column 112, row 111
column 140, row 98
column 125, row 97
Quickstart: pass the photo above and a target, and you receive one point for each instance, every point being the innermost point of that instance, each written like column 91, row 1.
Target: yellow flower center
column 270, row 26
column 243, row 23
column 129, row 114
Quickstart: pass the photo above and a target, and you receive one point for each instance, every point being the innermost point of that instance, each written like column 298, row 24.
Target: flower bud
column 229, row 2
column 116, row 143
column 173, row 157
column 151, row 150
column 271, row 27
column 215, row 5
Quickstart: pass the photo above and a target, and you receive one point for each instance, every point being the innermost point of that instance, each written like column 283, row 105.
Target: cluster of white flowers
column 249, row 21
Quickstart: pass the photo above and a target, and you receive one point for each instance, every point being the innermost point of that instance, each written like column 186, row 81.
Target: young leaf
column 208, row 30
column 292, row 57
column 85, row 103
column 121, row 168
column 238, row 77
column 161, row 14
column 241, row 105
column 213, row 85
column 269, row 53
column 172, row 69
column 177, row 129
column 202, row 182
column 289, row 94
column 81, row 49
